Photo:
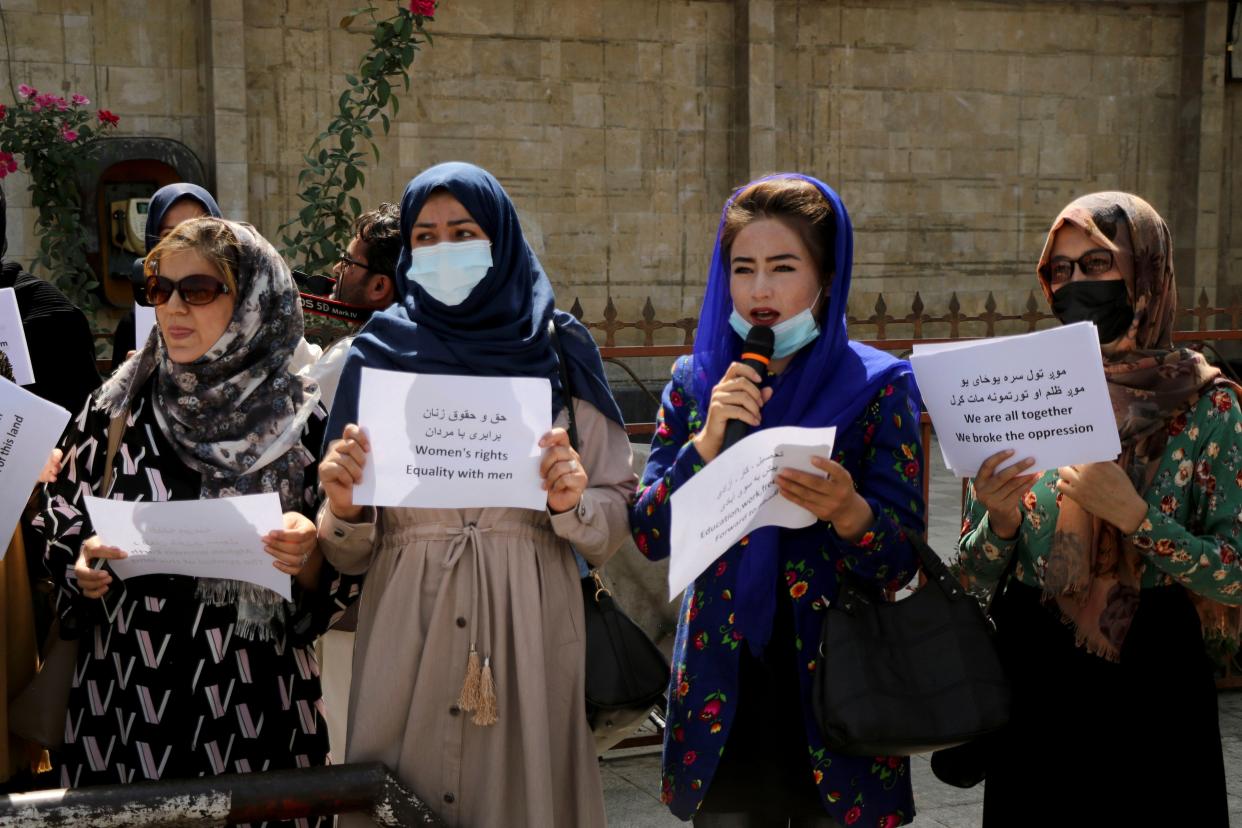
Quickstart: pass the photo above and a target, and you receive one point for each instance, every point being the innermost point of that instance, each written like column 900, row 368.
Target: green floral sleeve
column 1195, row 501
column 982, row 554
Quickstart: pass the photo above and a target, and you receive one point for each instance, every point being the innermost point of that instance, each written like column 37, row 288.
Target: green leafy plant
column 337, row 157
column 52, row 134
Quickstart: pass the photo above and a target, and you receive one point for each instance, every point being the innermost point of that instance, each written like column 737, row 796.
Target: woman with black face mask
column 1123, row 567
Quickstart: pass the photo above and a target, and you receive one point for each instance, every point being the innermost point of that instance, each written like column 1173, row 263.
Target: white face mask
column 790, row 335
column 449, row 271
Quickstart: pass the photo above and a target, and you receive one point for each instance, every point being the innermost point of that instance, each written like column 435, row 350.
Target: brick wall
column 954, row 129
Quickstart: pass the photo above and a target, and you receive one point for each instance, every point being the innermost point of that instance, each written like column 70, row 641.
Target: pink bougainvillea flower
column 423, row 8
column 27, row 91
column 3, row 111
column 80, row 100
column 106, row 117
column 8, row 164
column 61, row 104
column 68, row 134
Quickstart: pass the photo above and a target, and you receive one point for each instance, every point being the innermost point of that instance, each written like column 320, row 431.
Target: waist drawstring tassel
column 468, row 700
column 486, row 714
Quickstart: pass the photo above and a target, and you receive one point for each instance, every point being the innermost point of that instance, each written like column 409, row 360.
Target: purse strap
column 938, row 572
column 567, row 389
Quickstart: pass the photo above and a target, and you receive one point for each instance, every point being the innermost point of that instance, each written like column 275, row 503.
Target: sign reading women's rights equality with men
column 1041, row 394
column 29, row 429
column 441, row 441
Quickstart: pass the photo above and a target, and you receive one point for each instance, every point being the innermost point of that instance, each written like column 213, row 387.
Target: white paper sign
column 30, row 427
column 144, row 321
column 1042, row 394
column 13, row 338
column 220, row 538
column 441, row 441
column 735, row 494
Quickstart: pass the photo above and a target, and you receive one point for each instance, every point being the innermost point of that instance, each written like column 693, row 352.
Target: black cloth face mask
column 1105, row 303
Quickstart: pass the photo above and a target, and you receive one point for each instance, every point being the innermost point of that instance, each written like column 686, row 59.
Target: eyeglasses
column 1060, row 269
column 345, row 260
column 197, row 289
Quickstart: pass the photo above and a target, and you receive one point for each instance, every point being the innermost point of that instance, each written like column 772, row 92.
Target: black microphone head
column 760, row 341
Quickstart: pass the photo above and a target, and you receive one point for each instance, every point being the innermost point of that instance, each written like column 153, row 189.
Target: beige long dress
column 503, row 582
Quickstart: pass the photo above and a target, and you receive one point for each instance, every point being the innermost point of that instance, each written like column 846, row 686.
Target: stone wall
column 954, row 129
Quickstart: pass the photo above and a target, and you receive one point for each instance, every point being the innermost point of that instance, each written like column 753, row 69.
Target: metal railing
column 229, row 798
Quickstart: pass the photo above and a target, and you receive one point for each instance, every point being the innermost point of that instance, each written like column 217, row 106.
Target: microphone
column 757, row 353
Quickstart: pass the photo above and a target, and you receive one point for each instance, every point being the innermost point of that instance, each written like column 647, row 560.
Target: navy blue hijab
column 827, row 383
column 500, row 330
column 166, row 197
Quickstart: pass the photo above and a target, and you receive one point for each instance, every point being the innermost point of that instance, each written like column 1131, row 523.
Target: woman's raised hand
column 736, row 397
column 1001, row 492
column 341, row 470
column 564, row 479
column 94, row 582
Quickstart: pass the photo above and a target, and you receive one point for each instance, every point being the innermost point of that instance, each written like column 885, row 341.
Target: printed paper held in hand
column 13, row 338
column 441, row 441
column 144, row 321
column 735, row 494
column 1042, row 394
column 29, row 429
column 219, row 538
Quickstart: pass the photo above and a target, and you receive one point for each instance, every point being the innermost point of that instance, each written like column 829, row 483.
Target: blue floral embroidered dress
column 881, row 450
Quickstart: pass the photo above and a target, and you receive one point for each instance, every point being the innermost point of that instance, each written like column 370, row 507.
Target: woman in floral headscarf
column 1114, row 692
column 180, row 676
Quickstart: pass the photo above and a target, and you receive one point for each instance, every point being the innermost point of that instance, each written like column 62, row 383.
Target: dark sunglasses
column 1060, row 269
column 198, row 289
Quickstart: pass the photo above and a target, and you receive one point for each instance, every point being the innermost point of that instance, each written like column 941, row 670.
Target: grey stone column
column 225, row 106
column 754, row 122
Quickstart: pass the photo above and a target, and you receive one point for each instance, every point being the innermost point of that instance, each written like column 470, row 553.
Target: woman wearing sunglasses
column 181, row 676
column 1115, row 703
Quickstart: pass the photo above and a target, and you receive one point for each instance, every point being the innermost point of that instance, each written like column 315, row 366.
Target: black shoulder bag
column 625, row 671
column 916, row 675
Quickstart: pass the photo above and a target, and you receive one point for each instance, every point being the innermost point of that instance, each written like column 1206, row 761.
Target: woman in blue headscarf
column 741, row 746
column 468, row 667
column 171, row 205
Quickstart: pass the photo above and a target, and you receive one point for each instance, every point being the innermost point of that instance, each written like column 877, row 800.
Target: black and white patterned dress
column 164, row 688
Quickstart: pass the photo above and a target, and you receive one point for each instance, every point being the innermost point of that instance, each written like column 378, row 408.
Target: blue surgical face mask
column 790, row 335
column 448, row 271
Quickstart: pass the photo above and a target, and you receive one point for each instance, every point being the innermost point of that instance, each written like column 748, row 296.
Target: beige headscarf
column 1094, row 574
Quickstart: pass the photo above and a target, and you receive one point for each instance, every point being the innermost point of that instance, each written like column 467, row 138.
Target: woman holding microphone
column 742, row 747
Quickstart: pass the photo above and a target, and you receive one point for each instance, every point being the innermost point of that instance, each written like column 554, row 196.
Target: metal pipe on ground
column 229, row 798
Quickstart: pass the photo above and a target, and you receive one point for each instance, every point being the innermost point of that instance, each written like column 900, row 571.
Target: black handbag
column 965, row 765
column 911, row 676
column 625, row 670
